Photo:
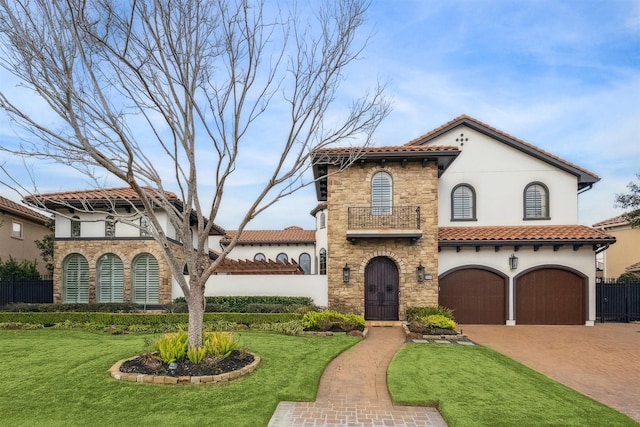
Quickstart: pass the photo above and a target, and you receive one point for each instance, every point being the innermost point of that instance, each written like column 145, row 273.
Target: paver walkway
column 602, row 361
column 353, row 390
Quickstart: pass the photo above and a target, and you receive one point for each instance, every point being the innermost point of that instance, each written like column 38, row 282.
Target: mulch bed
column 150, row 364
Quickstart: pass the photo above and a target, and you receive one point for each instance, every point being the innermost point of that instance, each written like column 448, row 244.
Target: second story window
column 110, row 227
column 381, row 194
column 75, row 226
column 282, row 257
column 323, row 261
column 536, row 201
column 323, row 220
column 259, row 257
column 145, row 225
column 16, row 230
column 463, row 203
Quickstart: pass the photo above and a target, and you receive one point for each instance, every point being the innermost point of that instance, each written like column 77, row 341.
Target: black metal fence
column 35, row 290
column 384, row 218
column 618, row 301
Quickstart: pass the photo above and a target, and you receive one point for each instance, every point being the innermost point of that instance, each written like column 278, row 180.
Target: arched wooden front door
column 381, row 289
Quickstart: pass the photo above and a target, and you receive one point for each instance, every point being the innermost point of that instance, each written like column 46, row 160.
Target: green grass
column 476, row 386
column 59, row 378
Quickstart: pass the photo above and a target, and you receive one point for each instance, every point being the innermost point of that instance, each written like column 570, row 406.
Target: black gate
column 381, row 290
column 618, row 301
column 33, row 290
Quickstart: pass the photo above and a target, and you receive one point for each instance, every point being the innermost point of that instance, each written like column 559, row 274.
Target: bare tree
column 130, row 81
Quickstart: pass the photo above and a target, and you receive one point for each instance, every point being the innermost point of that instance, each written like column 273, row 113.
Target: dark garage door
column 550, row 296
column 476, row 296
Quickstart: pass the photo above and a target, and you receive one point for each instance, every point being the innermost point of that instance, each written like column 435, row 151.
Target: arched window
column 110, row 278
column 109, row 227
column 463, row 203
column 305, row 262
column 282, row 257
column 323, row 261
column 381, row 194
column 259, row 257
column 75, row 226
column 75, row 279
column 145, row 277
column 323, row 220
column 536, row 201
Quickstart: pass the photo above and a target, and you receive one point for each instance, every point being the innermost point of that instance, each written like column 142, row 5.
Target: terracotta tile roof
column 231, row 266
column 22, row 211
column 634, row 267
column 124, row 193
column 288, row 235
column 551, row 233
column 465, row 118
column 620, row 219
column 388, row 149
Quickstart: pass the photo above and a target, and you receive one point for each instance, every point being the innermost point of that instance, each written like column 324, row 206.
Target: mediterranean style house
column 465, row 216
column 625, row 255
column 20, row 227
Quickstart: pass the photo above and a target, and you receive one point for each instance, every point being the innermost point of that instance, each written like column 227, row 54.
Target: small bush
column 173, row 347
column 414, row 313
column 18, row 325
column 295, row 327
column 219, row 343
column 196, row 354
column 439, row 321
column 238, row 304
column 330, row 320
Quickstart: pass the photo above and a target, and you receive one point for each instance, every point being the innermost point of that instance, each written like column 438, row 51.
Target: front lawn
column 59, row 378
column 476, row 386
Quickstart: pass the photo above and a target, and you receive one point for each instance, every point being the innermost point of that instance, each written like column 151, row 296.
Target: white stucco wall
column 499, row 174
column 312, row 286
column 582, row 260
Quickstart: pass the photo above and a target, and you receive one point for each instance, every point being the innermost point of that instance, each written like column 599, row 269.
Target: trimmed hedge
column 50, row 319
column 92, row 307
column 238, row 304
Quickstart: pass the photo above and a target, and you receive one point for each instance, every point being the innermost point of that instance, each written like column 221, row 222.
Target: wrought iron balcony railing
column 384, row 218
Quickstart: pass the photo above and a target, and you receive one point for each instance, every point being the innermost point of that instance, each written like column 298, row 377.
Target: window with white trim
column 16, row 230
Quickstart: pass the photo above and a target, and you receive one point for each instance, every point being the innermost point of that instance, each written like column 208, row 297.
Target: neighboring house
column 624, row 256
column 465, row 216
column 20, row 227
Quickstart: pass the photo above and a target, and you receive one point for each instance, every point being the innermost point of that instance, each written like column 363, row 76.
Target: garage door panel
column 550, row 296
column 476, row 296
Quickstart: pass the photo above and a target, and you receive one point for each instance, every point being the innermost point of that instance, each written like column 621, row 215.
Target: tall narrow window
column 110, row 280
column 75, row 279
column 323, row 220
column 110, row 227
column 381, row 194
column 75, row 226
column 536, row 201
column 463, row 203
column 305, row 262
column 323, row 261
column 145, row 278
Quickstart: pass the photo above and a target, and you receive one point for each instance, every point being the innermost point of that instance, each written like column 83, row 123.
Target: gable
column 450, row 134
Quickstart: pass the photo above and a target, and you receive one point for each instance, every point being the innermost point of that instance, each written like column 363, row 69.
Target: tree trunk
column 196, row 304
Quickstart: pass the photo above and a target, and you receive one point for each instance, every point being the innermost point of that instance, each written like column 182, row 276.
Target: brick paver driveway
column 602, row 362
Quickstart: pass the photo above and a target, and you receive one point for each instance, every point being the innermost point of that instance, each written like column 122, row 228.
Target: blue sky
column 562, row 75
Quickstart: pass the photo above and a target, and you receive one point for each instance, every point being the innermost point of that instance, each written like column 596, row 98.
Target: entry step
column 383, row 323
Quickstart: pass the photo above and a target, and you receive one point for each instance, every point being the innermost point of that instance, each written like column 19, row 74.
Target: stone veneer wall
column 413, row 185
column 127, row 250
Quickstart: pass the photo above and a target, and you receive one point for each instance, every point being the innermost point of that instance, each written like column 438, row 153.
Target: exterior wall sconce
column 513, row 261
column 420, row 274
column 346, row 273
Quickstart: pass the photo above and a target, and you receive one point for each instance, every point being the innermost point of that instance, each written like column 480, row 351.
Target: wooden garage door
column 550, row 296
column 476, row 296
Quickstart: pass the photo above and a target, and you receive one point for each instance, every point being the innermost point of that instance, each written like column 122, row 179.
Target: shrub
column 19, row 325
column 238, row 304
column 414, row 313
column 219, row 343
column 173, row 347
column 196, row 354
column 295, row 327
column 330, row 320
column 629, row 277
column 77, row 308
column 439, row 321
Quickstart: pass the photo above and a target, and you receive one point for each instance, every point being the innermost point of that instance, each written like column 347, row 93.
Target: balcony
column 384, row 222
